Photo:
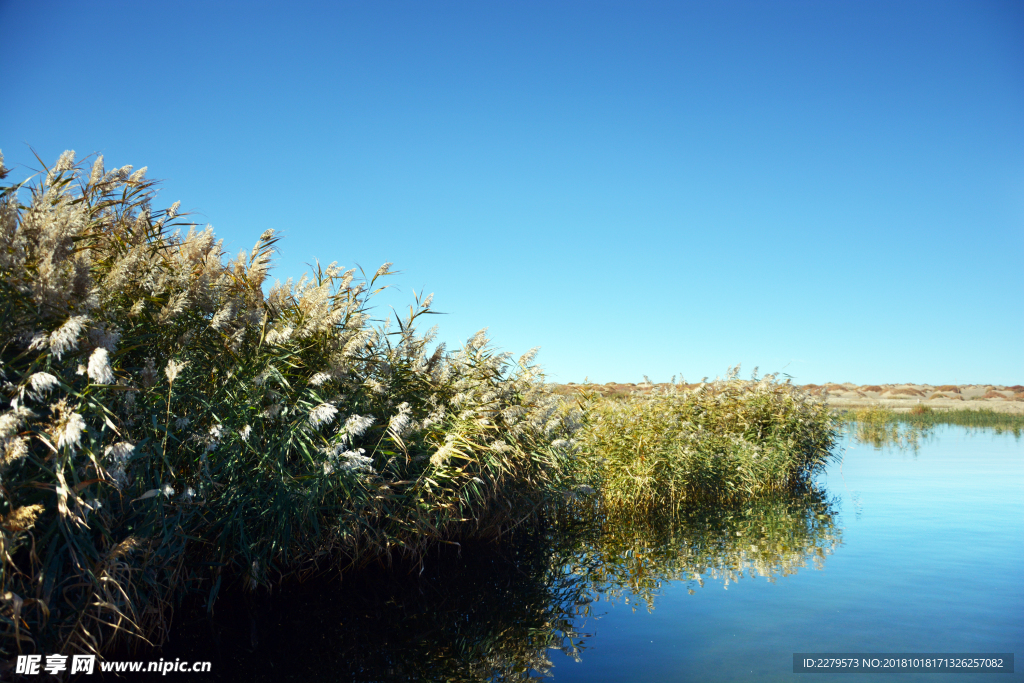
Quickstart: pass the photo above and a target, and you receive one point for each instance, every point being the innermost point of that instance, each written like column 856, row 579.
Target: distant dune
column 990, row 396
column 996, row 397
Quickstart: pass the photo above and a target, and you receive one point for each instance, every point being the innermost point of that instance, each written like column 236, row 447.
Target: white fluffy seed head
column 107, row 338
column 323, row 414
column 173, row 369
column 43, row 382
column 222, row 317
column 65, row 163
column 356, row 426
column 119, row 452
column 399, row 423
column 355, row 461
column 97, row 170
column 478, row 340
column 278, row 337
column 65, row 337
column 69, row 432
column 12, row 450
column 99, row 367
column 528, row 357
column 441, row 455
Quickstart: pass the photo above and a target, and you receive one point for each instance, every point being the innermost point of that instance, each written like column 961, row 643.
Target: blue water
column 931, row 560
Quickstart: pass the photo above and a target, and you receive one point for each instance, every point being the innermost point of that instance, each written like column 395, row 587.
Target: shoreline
column 896, row 397
column 938, row 405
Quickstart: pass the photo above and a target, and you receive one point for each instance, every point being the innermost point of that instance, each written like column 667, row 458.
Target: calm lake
column 893, row 552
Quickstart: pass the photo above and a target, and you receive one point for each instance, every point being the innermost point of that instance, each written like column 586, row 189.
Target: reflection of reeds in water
column 924, row 417
column 494, row 611
column 769, row 538
column 485, row 612
column 881, row 428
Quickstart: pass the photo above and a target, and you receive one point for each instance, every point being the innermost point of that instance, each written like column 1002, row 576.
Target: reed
column 881, row 426
column 984, row 418
column 166, row 425
column 720, row 442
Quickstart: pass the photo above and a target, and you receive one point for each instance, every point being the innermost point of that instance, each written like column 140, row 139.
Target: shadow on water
column 492, row 611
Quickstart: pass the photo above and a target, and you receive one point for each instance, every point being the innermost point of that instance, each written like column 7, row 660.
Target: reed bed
column 166, row 425
column 985, row 418
column 720, row 442
column 884, row 427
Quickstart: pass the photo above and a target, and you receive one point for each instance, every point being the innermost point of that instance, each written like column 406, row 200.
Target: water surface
column 932, row 560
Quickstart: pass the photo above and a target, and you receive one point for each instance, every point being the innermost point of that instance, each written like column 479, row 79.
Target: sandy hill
column 897, row 396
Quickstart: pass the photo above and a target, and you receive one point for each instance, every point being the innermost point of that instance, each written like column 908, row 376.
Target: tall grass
column 985, row 418
column 721, row 442
column 882, row 427
column 165, row 424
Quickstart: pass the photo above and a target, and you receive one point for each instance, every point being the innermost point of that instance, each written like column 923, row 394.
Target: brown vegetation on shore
column 899, row 397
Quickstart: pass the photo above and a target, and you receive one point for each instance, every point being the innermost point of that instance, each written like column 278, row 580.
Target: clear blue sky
column 832, row 189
